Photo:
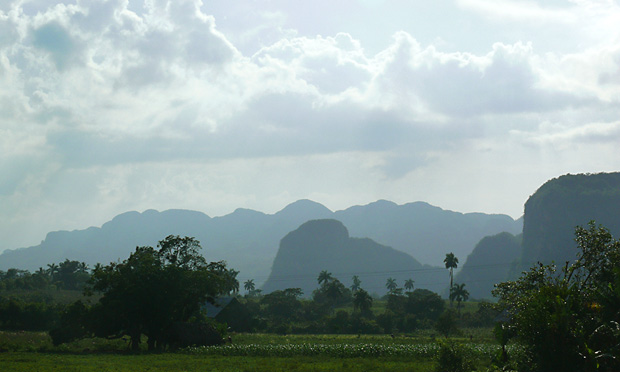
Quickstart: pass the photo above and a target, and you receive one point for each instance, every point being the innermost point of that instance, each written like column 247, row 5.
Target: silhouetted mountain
column 422, row 230
column 248, row 240
column 489, row 264
column 325, row 245
column 561, row 204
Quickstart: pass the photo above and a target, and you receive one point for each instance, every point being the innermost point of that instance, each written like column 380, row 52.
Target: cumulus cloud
column 137, row 103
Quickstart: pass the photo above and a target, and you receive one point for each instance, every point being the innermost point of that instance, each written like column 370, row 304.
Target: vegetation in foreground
column 566, row 319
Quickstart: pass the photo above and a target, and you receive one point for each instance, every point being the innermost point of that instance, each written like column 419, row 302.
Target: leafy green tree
column 409, row 285
column 71, row 275
column 391, row 285
column 324, row 277
column 332, row 293
column 446, row 323
column 249, row 285
column 561, row 315
column 356, row 283
column 426, row 305
column 362, row 301
column 459, row 294
column 283, row 305
column 451, row 262
column 152, row 289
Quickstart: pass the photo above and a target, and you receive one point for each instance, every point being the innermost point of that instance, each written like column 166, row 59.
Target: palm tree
column 249, row 285
column 324, row 277
column 409, row 285
column 451, row 263
column 460, row 294
column 362, row 302
column 356, row 283
column 391, row 285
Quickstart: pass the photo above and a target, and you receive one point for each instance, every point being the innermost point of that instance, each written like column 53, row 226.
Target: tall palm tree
column 324, row 277
column 409, row 284
column 249, row 285
column 451, row 263
column 391, row 285
column 362, row 302
column 356, row 283
column 460, row 294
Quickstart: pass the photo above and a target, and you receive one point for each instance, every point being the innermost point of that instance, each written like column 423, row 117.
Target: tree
column 356, row 283
column 451, row 263
column 332, row 293
column 409, row 285
column 249, row 285
column 324, row 277
column 567, row 319
column 154, row 289
column 459, row 294
column 391, row 285
column 362, row 301
column 283, row 305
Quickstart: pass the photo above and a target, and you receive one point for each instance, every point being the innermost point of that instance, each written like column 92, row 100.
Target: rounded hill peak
column 304, row 206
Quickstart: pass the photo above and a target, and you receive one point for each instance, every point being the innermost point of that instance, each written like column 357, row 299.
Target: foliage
column 557, row 313
column 282, row 306
column 31, row 316
column 332, row 293
column 391, row 285
column 453, row 357
column 362, row 301
column 451, row 262
column 409, row 285
column 459, row 294
column 152, row 289
column 356, row 283
column 69, row 275
column 446, row 324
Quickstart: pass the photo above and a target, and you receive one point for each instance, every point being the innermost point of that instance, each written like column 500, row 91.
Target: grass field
column 30, row 351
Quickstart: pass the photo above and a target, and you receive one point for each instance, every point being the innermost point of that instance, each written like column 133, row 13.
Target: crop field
column 248, row 352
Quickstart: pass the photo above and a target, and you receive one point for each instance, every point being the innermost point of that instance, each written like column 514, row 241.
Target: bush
column 454, row 358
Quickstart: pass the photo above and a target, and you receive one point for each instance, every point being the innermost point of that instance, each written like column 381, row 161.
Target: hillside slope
column 326, row 245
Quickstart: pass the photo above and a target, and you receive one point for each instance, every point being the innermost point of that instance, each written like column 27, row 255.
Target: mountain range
column 248, row 240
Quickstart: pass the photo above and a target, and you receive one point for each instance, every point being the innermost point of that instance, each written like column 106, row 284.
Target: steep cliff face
column 490, row 262
column 326, row 245
column 561, row 204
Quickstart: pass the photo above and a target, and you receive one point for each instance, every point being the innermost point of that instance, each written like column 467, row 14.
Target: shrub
column 454, row 358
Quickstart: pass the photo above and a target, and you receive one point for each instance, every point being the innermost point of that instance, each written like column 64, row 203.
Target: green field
column 30, row 351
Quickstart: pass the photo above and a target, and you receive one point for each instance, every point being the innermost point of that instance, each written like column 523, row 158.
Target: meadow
column 20, row 351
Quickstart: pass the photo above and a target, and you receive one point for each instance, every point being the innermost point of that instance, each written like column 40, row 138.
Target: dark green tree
column 409, row 285
column 153, row 289
column 324, row 277
column 451, row 262
column 362, row 302
column 459, row 294
column 332, row 293
column 391, row 285
column 283, row 305
column 249, row 286
column 356, row 283
column 567, row 318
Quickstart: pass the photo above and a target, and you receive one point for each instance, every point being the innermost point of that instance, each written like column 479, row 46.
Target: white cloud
column 155, row 105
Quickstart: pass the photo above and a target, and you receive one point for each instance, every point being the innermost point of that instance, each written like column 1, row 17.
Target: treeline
column 68, row 275
column 333, row 308
column 35, row 301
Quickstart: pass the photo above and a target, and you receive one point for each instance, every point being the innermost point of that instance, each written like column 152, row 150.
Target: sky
column 470, row 105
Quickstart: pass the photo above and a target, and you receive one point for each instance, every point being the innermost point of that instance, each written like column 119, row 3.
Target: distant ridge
column 248, row 240
column 326, row 245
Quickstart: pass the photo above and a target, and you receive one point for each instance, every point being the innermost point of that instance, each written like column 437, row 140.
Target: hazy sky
column 470, row 105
